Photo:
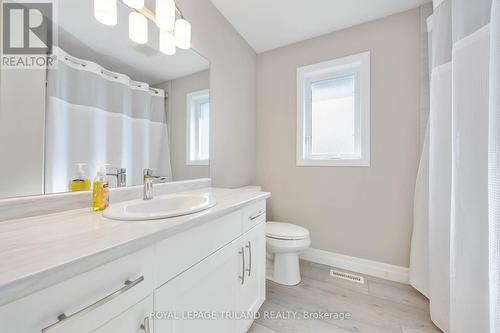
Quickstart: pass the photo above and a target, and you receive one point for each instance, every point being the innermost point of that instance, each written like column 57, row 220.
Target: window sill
column 334, row 163
column 197, row 163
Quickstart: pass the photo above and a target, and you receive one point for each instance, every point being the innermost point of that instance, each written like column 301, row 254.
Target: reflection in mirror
column 188, row 106
column 107, row 101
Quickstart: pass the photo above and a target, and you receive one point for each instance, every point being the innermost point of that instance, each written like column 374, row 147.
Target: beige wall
column 361, row 212
column 177, row 116
column 232, row 93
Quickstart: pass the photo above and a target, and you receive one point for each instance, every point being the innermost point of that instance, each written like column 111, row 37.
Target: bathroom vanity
column 77, row 271
column 126, row 116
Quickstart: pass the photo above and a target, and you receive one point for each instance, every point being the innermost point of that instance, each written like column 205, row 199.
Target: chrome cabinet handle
column 249, row 269
column 259, row 214
column 63, row 319
column 145, row 326
column 242, row 276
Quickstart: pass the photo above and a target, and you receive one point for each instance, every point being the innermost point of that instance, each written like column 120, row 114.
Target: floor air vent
column 347, row 276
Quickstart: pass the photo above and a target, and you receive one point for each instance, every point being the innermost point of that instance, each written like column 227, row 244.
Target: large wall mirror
column 107, row 101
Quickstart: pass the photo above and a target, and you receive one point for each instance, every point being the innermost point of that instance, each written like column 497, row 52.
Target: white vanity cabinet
column 88, row 300
column 251, row 292
column 218, row 294
column 207, row 278
column 134, row 320
column 207, row 287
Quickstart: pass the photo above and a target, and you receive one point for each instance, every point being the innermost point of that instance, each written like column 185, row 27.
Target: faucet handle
column 148, row 172
column 115, row 169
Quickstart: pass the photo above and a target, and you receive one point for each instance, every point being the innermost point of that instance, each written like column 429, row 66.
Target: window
column 333, row 112
column 198, row 128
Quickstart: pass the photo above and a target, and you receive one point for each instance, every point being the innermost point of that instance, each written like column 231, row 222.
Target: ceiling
column 82, row 36
column 268, row 24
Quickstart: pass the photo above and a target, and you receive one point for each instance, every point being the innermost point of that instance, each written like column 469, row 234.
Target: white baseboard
column 358, row 265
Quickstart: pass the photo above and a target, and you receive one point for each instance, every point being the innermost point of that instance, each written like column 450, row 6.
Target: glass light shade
column 105, row 11
column 167, row 42
column 183, row 34
column 165, row 14
column 138, row 28
column 137, row 4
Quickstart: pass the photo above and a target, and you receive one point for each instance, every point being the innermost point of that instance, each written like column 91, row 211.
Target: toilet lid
column 281, row 230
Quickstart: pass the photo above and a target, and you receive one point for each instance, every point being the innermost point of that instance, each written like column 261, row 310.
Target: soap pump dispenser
column 80, row 182
column 100, row 194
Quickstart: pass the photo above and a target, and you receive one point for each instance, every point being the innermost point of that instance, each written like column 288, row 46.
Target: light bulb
column 165, row 14
column 138, row 28
column 183, row 34
column 137, row 4
column 167, row 42
column 105, row 11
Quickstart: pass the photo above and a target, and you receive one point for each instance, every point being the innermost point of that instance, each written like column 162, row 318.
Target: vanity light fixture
column 136, row 4
column 105, row 11
column 138, row 28
column 183, row 34
column 167, row 42
column 175, row 31
column 165, row 14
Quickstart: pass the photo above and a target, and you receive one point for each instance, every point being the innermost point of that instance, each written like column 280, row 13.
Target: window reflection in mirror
column 198, row 128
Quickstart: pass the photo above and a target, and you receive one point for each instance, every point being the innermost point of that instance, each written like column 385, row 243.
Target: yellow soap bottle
column 80, row 182
column 100, row 192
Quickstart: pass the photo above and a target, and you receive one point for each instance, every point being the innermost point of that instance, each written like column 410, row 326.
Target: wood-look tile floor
column 377, row 306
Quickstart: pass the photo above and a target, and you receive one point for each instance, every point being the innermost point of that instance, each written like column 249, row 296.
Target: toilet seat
column 286, row 231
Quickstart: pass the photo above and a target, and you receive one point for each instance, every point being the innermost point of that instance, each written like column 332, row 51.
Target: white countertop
column 40, row 251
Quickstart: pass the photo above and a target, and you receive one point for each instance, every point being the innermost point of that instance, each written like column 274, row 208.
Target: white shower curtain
column 96, row 117
column 494, row 168
column 462, row 244
column 419, row 255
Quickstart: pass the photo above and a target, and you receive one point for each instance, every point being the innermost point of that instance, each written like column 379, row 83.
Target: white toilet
column 284, row 242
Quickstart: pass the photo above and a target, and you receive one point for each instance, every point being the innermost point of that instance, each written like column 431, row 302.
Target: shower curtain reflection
column 98, row 117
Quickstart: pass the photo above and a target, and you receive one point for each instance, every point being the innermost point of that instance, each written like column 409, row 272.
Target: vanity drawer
column 254, row 214
column 176, row 254
column 134, row 320
column 88, row 300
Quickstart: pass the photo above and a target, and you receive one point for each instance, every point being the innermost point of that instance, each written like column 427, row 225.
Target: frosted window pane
column 333, row 116
column 200, row 130
column 204, row 129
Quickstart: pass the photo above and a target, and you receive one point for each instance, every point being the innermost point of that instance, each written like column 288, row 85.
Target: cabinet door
column 252, row 291
column 207, row 289
column 134, row 320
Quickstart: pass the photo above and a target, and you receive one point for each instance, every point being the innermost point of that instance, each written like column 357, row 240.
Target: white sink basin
column 160, row 207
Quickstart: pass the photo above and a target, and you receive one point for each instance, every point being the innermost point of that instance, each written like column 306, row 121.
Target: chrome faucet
column 149, row 180
column 120, row 174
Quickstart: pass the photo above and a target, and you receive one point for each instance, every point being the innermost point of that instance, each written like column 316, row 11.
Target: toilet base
column 286, row 269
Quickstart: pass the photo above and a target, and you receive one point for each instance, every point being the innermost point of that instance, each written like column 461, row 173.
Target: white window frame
column 357, row 65
column 191, row 100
